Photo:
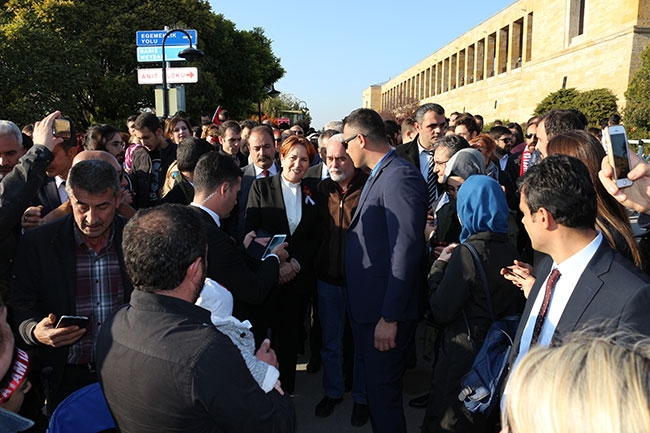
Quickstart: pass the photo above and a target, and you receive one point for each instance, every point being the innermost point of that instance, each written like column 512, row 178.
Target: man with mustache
column 262, row 154
column 72, row 266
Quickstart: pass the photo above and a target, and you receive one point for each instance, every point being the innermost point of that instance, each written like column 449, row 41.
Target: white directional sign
column 174, row 75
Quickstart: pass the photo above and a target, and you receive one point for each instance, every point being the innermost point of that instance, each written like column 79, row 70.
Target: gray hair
column 424, row 109
column 326, row 135
column 10, row 128
column 336, row 125
column 94, row 176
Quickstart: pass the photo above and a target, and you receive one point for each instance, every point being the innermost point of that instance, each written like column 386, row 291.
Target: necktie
column 550, row 286
column 265, row 173
column 432, row 183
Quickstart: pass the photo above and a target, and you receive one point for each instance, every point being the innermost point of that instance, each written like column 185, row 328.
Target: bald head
column 101, row 155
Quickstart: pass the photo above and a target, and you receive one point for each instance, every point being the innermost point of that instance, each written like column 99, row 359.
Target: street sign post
column 154, row 38
column 174, row 75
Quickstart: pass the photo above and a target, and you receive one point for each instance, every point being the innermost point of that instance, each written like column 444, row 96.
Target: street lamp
column 270, row 91
column 190, row 53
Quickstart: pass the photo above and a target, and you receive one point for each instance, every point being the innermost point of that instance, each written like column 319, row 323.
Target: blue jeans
column 332, row 312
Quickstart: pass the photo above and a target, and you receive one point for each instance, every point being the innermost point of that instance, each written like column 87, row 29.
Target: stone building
column 506, row 65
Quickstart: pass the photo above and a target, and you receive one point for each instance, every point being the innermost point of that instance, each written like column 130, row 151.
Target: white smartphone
column 275, row 241
column 618, row 150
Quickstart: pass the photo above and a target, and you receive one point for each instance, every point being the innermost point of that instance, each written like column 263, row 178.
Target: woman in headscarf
column 458, row 301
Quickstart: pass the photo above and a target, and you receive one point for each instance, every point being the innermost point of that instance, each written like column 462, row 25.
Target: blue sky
column 333, row 50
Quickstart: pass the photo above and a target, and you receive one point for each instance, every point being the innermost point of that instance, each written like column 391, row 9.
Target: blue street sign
column 154, row 38
column 154, row 54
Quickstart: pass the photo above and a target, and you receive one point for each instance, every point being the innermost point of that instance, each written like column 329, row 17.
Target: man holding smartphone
column 217, row 182
column 72, row 266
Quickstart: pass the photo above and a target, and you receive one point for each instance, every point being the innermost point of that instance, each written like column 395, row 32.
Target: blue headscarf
column 481, row 206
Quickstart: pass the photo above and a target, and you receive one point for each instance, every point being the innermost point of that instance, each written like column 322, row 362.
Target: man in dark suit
column 262, row 155
column 430, row 124
column 384, row 254
column 216, row 184
column 504, row 160
column 594, row 285
column 72, row 266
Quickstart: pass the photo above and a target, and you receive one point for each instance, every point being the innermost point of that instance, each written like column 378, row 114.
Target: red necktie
column 550, row 286
column 265, row 173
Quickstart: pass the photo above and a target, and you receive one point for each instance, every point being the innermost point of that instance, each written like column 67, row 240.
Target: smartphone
column 62, row 128
column 80, row 321
column 274, row 242
column 618, row 150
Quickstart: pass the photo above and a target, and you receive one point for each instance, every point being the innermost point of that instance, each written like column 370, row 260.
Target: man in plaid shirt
column 72, row 266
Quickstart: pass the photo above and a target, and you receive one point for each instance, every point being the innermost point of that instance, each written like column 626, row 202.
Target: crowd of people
column 183, row 266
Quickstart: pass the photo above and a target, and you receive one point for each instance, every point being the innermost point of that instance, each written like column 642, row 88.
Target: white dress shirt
column 425, row 157
column 259, row 173
column 571, row 270
column 292, row 196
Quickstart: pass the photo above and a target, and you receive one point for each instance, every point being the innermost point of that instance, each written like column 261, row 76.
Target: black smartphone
column 65, row 321
column 62, row 129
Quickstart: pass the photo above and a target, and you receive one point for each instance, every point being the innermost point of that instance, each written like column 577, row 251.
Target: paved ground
column 309, row 392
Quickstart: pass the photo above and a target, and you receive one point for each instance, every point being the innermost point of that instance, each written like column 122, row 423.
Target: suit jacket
column 235, row 224
column 384, row 252
column 266, row 211
column 47, row 196
column 410, row 152
column 16, row 191
column 44, row 282
column 250, row 281
column 611, row 293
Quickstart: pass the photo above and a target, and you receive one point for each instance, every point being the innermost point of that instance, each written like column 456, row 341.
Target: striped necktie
column 432, row 183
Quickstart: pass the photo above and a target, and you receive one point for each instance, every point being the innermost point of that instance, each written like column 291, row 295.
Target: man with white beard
column 341, row 192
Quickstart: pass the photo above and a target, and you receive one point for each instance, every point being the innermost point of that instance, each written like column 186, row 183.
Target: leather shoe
column 360, row 414
column 326, row 406
column 419, row 402
column 313, row 366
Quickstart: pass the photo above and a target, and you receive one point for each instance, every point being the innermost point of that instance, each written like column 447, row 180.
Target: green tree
column 637, row 110
column 79, row 56
column 274, row 107
column 563, row 98
column 596, row 104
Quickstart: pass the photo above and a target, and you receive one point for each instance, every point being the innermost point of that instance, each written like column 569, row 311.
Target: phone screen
column 62, row 128
column 619, row 151
column 275, row 241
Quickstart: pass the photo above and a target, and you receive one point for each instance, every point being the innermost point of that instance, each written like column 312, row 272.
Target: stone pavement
column 309, row 392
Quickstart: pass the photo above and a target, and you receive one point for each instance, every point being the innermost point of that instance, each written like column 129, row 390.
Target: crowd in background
column 378, row 222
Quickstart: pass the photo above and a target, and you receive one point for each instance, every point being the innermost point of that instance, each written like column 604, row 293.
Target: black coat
column 457, row 288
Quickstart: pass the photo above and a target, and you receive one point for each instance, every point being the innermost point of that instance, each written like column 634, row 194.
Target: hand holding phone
column 65, row 321
column 618, row 150
column 275, row 241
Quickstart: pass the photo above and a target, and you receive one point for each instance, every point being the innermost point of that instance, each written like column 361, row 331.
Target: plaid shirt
column 99, row 291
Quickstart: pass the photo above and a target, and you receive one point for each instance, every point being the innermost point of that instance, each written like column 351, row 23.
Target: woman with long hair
column 612, row 219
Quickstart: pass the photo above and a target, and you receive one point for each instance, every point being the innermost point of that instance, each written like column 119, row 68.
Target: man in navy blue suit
column 384, row 257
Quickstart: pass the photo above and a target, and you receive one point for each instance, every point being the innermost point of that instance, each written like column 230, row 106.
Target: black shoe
column 314, row 365
column 326, row 406
column 360, row 414
column 419, row 402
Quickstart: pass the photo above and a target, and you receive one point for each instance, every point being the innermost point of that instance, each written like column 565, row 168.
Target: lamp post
column 270, row 91
column 189, row 54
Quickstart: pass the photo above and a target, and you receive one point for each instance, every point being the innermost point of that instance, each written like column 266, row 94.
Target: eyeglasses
column 347, row 140
column 531, row 135
column 505, row 140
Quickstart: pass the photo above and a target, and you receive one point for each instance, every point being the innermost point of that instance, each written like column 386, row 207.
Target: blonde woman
column 590, row 384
